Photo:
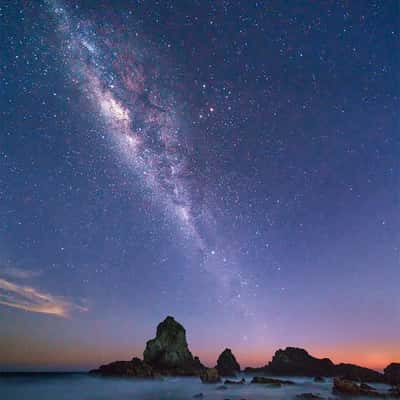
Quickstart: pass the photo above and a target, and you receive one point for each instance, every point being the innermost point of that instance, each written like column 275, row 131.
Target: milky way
column 140, row 119
column 123, row 84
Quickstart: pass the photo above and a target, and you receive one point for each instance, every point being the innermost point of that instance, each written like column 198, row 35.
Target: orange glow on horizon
column 37, row 354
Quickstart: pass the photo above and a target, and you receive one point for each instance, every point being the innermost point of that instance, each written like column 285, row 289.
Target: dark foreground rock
column 135, row 367
column 350, row 388
column 168, row 353
column 210, row 375
column 392, row 374
column 273, row 381
column 227, row 364
column 395, row 391
column 298, row 362
column 308, row 396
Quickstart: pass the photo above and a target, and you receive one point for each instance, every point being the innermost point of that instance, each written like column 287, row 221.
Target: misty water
column 87, row 387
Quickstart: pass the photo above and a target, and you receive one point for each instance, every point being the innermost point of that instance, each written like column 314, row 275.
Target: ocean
column 75, row 386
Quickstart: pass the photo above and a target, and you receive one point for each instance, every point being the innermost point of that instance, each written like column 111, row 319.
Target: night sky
column 231, row 163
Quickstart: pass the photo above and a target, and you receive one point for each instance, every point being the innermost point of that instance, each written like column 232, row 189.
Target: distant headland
column 168, row 354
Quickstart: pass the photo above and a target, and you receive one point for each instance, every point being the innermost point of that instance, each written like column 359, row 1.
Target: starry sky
column 231, row 163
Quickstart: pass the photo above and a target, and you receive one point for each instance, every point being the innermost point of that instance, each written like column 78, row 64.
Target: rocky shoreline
column 168, row 354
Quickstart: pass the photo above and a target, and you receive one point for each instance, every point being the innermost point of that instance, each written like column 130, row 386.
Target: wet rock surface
column 351, row 388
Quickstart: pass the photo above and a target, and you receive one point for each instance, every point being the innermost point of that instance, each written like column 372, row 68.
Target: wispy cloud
column 30, row 299
column 18, row 273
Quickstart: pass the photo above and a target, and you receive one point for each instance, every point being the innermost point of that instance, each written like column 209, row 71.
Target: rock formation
column 294, row 361
column 355, row 373
column 227, row 364
column 168, row 353
column 350, row 388
column 392, row 374
column 135, row 367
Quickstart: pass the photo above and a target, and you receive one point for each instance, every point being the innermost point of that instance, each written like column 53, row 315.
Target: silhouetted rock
column 136, row 367
column 210, row 375
column 355, row 373
column 392, row 374
column 198, row 396
column 298, row 362
column 319, row 379
column 227, row 364
column 295, row 361
column 168, row 352
column 263, row 379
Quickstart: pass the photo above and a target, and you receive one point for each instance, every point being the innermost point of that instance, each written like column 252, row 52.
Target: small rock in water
column 319, row 379
column 308, row 396
column 222, row 387
column 346, row 387
column 198, row 396
column 364, row 386
column 262, row 379
column 230, row 382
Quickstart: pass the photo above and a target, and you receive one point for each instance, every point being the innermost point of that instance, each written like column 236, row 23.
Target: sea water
column 89, row 387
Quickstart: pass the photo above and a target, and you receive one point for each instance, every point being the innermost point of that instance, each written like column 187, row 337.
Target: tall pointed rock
column 168, row 353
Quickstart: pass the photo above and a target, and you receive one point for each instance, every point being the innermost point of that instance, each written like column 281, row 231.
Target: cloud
column 30, row 299
column 18, row 273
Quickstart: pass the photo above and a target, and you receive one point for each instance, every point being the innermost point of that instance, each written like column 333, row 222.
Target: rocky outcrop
column 168, row 353
column 392, row 374
column 210, row 375
column 227, row 364
column 135, row 367
column 294, row 361
column 355, row 373
column 350, row 388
